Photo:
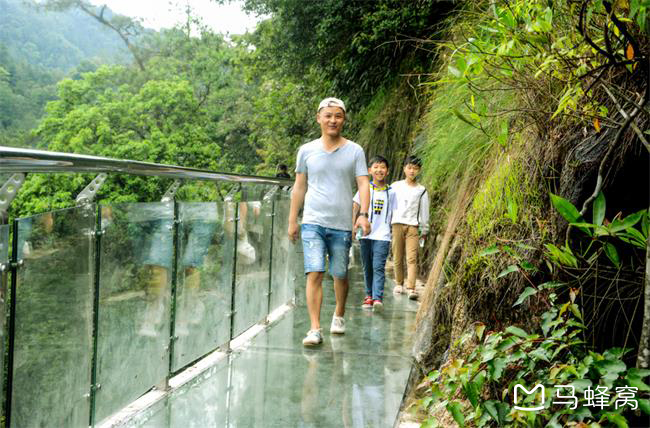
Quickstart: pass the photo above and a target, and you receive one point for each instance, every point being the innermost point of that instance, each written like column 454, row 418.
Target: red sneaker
column 377, row 305
column 367, row 303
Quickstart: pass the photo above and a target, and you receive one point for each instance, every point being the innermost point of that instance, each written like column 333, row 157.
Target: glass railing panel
column 4, row 278
column 202, row 402
column 203, row 282
column 283, row 257
column 254, row 192
column 252, row 269
column 134, row 302
column 54, row 307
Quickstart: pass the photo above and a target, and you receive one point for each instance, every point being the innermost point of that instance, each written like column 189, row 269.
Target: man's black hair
column 413, row 160
column 282, row 167
column 378, row 159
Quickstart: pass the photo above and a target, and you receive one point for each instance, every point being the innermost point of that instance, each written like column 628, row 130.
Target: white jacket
column 412, row 205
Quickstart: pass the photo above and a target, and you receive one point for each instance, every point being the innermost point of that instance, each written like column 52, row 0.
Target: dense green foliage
column 359, row 46
column 238, row 105
column 24, row 90
column 479, row 388
column 36, row 50
column 524, row 85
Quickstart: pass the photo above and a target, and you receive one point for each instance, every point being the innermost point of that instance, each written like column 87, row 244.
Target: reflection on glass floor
column 354, row 380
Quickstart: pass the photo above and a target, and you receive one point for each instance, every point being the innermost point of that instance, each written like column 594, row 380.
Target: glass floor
column 353, row 380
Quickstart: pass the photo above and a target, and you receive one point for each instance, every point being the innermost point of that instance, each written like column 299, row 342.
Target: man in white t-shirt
column 410, row 222
column 326, row 171
column 376, row 245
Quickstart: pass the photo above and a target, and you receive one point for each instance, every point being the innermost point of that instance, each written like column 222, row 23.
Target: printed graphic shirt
column 382, row 203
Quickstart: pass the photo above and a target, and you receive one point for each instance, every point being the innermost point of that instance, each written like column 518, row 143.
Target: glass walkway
column 354, row 380
column 179, row 314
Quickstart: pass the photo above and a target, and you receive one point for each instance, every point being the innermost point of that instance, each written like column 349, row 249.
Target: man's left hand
column 364, row 224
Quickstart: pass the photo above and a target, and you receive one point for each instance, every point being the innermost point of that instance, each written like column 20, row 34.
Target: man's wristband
column 363, row 215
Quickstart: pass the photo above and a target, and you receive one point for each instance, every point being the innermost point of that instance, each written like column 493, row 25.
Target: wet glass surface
column 4, row 284
column 352, row 380
column 134, row 302
column 286, row 260
column 54, row 306
column 252, row 263
column 203, row 282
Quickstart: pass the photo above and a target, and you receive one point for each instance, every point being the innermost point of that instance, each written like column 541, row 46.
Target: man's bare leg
column 341, row 293
column 314, row 298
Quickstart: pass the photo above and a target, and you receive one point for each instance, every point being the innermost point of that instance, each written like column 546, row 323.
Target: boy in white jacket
column 410, row 223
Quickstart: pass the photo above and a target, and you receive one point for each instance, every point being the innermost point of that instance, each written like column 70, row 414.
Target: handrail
column 28, row 160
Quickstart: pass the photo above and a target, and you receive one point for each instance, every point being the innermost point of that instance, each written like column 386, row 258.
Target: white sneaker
column 338, row 325
column 313, row 338
column 398, row 289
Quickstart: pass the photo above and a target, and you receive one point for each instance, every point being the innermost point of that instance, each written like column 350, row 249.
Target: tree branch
column 625, row 116
column 583, row 31
column 621, row 26
column 100, row 18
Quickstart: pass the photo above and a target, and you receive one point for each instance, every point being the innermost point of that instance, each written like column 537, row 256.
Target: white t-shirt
column 382, row 203
column 412, row 206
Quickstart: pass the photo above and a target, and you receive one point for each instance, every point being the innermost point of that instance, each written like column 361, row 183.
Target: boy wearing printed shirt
column 410, row 221
column 375, row 246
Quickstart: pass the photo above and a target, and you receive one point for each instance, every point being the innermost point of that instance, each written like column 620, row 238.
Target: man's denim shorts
column 319, row 241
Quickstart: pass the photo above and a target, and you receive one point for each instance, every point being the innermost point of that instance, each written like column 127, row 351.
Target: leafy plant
column 478, row 390
column 604, row 235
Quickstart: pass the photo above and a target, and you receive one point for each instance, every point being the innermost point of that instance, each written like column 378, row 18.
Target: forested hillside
column 37, row 49
column 58, row 41
column 532, row 120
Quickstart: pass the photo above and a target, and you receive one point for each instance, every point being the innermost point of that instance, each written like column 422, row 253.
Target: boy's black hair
column 378, row 159
column 413, row 160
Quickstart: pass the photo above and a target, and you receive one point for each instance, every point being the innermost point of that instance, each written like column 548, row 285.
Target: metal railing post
column 234, row 273
column 270, row 289
column 172, row 310
column 12, row 322
column 94, row 386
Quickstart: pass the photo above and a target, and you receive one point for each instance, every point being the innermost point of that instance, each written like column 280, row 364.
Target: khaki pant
column 405, row 240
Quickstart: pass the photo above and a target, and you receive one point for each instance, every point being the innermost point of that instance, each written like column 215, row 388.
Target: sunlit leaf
column 453, row 70
column 492, row 249
column 517, row 331
column 479, row 329
column 455, row 409
column 508, row 270
column 599, row 209
column 529, row 291
column 566, row 209
column 626, row 222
